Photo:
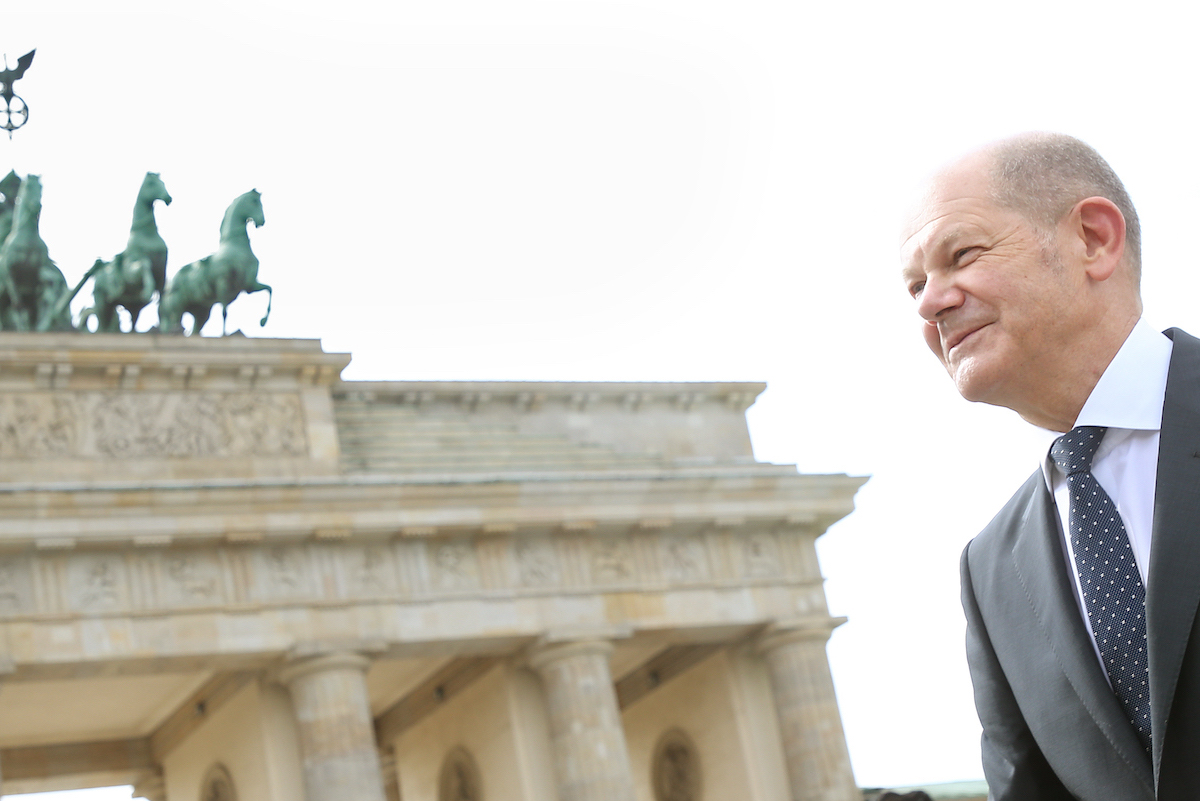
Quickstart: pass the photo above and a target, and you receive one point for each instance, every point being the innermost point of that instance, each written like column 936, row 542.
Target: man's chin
column 972, row 384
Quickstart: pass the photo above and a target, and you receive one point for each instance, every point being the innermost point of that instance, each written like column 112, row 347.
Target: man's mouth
column 961, row 337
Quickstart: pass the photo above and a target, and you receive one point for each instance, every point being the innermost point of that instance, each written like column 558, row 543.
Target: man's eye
column 916, row 289
column 961, row 254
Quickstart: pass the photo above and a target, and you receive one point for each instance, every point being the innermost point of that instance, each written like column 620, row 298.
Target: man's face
column 999, row 307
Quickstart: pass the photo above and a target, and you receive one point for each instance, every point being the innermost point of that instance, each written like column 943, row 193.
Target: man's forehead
column 938, row 212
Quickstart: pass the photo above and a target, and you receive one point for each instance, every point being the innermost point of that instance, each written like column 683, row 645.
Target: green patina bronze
column 218, row 278
column 135, row 274
column 34, row 295
column 9, row 186
column 31, row 286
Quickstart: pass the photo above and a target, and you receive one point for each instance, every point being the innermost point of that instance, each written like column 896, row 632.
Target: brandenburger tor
column 227, row 574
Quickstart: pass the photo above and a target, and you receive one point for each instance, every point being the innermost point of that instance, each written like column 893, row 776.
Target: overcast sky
column 666, row 190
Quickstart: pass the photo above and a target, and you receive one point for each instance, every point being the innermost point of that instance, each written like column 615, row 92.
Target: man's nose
column 939, row 296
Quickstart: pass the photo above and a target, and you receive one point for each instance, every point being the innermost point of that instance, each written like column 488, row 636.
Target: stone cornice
column 71, row 517
column 530, row 395
column 80, row 361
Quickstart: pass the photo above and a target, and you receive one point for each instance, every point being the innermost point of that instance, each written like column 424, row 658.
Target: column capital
column 151, row 787
column 791, row 630
column 298, row 667
column 545, row 652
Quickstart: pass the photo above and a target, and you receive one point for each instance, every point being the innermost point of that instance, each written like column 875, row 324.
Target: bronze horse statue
column 135, row 274
column 9, row 186
column 218, row 278
column 33, row 291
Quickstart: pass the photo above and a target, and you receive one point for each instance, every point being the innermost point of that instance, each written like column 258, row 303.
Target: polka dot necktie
column 1108, row 576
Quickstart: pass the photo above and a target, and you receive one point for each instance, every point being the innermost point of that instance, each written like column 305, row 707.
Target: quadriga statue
column 218, row 278
column 33, row 292
column 9, row 186
column 136, row 273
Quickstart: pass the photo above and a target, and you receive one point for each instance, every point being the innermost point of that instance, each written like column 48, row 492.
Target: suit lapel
column 1041, row 566
column 1174, row 591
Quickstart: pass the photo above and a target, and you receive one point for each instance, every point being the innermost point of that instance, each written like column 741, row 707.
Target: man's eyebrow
column 948, row 237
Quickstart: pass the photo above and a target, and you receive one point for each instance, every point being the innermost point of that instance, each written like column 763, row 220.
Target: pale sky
column 654, row 190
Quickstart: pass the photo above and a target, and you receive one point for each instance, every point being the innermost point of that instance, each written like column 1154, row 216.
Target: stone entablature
column 56, row 603
column 48, row 515
column 250, row 552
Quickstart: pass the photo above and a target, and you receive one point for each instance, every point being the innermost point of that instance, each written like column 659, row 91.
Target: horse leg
column 200, row 316
column 20, row 320
column 224, row 317
column 106, row 319
column 257, row 287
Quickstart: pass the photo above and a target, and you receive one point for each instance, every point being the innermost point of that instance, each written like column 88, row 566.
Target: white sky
column 651, row 190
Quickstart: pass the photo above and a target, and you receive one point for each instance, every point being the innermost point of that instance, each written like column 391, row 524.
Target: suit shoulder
column 999, row 534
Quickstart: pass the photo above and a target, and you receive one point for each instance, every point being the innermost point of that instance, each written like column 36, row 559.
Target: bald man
column 1081, row 595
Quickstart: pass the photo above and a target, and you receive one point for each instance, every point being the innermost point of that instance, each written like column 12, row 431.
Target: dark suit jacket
column 1052, row 728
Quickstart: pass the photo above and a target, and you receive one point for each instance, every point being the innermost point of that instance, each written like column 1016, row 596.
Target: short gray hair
column 1043, row 175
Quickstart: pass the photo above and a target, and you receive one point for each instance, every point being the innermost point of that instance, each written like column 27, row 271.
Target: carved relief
column 96, row 582
column 38, row 425
column 459, row 779
column 14, row 585
column 284, row 571
column 676, row 768
column 155, row 424
column 685, row 559
column 761, row 553
column 454, row 566
column 368, row 571
column 192, row 579
column 91, row 581
column 612, row 560
column 151, row 424
column 537, row 564
column 265, row 424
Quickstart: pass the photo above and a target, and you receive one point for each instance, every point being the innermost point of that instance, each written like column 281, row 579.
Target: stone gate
column 227, row 574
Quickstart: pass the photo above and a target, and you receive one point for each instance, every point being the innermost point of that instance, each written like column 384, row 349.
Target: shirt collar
column 1130, row 393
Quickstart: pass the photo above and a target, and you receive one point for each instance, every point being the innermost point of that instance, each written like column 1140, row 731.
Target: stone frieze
column 155, row 580
column 140, row 425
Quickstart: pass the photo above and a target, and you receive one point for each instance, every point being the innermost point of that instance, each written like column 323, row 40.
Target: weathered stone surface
column 184, row 523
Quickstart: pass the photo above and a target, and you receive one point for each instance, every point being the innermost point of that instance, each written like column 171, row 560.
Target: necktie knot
column 1074, row 450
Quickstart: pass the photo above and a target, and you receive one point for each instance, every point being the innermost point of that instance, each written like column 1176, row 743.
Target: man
column 1081, row 595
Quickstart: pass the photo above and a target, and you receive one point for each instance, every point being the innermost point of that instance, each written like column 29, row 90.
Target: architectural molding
column 78, row 514
column 528, row 396
column 62, row 583
column 76, row 765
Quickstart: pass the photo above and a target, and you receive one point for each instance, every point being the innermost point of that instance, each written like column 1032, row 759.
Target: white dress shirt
column 1128, row 400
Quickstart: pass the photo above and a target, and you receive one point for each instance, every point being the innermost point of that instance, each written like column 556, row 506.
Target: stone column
column 814, row 745
column 151, row 787
column 337, row 735
column 591, row 759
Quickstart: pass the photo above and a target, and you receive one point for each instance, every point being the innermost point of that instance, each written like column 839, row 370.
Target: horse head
column 154, row 189
column 29, row 201
column 250, row 205
column 9, row 186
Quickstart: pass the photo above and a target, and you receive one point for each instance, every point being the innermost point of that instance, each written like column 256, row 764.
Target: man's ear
column 1100, row 227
